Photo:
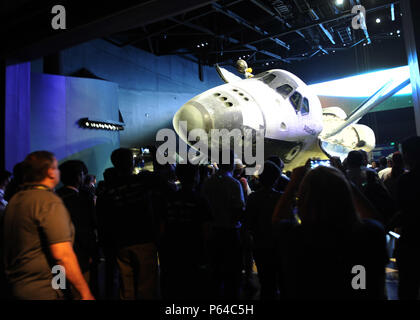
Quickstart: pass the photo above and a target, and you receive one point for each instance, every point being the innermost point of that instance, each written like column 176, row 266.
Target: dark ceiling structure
column 263, row 32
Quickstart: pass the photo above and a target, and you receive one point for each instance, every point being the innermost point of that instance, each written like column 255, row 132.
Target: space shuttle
column 289, row 113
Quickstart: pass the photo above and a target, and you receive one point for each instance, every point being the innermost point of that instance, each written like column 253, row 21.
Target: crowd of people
column 194, row 231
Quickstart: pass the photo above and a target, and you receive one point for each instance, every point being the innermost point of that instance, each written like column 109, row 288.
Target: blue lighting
column 363, row 85
column 392, row 12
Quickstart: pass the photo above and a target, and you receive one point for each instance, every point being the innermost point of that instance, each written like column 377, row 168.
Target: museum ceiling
column 263, row 32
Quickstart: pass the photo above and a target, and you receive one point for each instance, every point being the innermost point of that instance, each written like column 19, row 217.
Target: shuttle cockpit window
column 268, row 78
column 305, row 106
column 284, row 90
column 296, row 100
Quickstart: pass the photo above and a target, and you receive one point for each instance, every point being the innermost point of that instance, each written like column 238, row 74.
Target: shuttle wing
column 386, row 91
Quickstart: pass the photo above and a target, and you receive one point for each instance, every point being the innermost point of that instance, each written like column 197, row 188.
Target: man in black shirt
column 129, row 212
column 259, row 210
column 225, row 196
column 408, row 246
column 185, row 231
column 80, row 205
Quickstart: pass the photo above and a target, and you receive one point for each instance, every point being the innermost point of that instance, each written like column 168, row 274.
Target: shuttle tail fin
column 227, row 76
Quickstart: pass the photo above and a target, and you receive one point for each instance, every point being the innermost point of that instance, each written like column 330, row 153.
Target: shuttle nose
column 195, row 115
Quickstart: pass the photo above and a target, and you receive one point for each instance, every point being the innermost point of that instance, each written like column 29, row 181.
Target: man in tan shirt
column 38, row 234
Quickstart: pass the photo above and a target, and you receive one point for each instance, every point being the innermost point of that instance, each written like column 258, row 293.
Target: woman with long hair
column 333, row 239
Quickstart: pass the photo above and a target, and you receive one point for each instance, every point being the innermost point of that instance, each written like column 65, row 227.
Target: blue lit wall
column 57, row 103
column 17, row 113
column 43, row 110
column 150, row 88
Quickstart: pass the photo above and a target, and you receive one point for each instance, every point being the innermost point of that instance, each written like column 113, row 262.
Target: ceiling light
column 378, row 20
column 392, row 12
column 339, row 2
column 398, row 31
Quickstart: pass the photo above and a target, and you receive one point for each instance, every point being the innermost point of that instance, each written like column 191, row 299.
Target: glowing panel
column 363, row 85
